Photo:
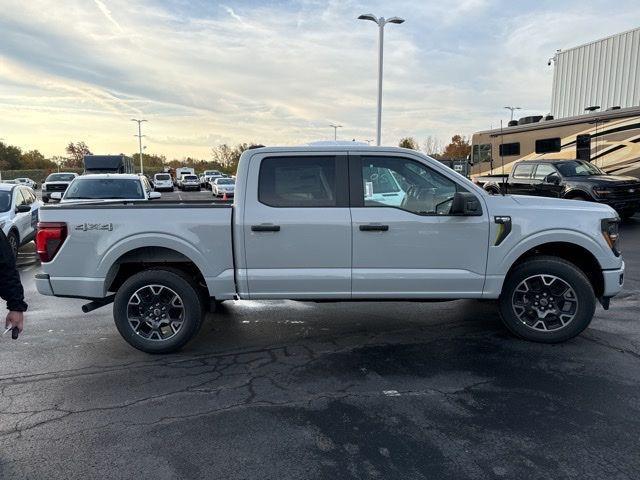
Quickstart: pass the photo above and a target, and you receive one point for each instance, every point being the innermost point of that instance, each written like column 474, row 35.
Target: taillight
column 49, row 239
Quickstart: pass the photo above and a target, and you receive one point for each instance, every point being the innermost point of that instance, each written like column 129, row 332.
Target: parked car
column 56, row 182
column 163, row 182
column 571, row 179
column 223, row 186
column 302, row 228
column 107, row 187
column 18, row 214
column 27, row 182
column 208, row 176
column 189, row 182
column 180, row 171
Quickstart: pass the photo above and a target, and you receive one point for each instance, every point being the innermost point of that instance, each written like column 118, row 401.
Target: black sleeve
column 10, row 287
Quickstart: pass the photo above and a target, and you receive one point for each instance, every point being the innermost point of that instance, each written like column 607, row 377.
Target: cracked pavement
column 300, row 390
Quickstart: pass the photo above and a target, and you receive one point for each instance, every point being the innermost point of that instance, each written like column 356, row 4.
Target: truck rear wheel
column 158, row 310
column 547, row 299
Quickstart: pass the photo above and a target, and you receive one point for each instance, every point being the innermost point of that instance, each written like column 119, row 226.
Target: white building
column 604, row 73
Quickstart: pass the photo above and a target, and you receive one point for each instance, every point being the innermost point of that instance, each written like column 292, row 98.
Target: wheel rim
column 13, row 243
column 545, row 303
column 155, row 312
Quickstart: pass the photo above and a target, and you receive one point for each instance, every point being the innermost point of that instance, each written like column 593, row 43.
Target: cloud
column 278, row 72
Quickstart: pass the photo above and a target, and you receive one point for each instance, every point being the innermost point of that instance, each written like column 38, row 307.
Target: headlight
column 601, row 192
column 611, row 234
column 44, row 186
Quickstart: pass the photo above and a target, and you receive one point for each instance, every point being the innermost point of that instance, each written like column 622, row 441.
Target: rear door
column 521, row 182
column 412, row 248
column 297, row 226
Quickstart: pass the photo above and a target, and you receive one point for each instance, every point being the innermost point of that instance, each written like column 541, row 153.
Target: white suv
column 162, row 181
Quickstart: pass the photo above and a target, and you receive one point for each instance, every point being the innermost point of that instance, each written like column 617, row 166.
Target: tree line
column 458, row 149
column 223, row 157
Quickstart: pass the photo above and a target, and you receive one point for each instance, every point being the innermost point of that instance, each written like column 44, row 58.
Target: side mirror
column 23, row 208
column 56, row 196
column 154, row 195
column 465, row 204
column 553, row 179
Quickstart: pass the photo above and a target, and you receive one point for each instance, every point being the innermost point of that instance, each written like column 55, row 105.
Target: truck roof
column 330, row 147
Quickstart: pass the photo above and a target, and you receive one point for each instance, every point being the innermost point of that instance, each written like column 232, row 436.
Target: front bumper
column 613, row 281
column 622, row 205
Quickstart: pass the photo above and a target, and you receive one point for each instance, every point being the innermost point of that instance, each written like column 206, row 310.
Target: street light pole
column 381, row 22
column 512, row 109
column 139, row 140
column 335, row 131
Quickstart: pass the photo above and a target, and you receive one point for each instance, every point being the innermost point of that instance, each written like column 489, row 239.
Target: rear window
column 298, row 182
column 189, row 177
column 163, row 176
column 104, row 188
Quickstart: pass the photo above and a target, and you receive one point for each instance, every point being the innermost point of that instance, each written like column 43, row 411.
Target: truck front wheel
column 547, row 299
column 158, row 310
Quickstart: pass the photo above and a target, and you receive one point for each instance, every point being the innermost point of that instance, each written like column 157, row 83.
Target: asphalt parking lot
column 300, row 390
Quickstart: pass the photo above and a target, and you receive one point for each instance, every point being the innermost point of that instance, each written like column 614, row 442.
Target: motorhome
column 609, row 139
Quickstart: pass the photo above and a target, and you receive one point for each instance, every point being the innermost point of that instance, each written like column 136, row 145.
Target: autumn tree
column 409, row 142
column 459, row 148
column 34, row 160
column 153, row 162
column 228, row 156
column 76, row 152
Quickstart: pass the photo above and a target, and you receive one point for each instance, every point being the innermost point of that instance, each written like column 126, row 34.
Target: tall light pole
column 335, row 131
column 512, row 109
column 381, row 22
column 139, row 140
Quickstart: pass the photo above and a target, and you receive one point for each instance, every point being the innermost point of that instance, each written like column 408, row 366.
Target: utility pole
column 335, row 131
column 381, row 22
column 139, row 135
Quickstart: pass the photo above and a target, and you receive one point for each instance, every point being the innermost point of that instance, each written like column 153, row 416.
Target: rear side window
column 523, row 170
column 298, row 182
column 548, row 145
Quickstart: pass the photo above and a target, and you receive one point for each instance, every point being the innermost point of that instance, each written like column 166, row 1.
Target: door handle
column 265, row 228
column 374, row 228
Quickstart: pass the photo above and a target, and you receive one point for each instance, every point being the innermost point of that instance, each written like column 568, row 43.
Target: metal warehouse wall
column 605, row 72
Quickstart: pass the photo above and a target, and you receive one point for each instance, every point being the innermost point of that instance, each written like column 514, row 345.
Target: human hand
column 15, row 319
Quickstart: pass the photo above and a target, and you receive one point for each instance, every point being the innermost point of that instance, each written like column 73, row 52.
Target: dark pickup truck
column 572, row 179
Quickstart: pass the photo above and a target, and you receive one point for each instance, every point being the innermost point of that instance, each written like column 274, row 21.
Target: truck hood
column 545, row 204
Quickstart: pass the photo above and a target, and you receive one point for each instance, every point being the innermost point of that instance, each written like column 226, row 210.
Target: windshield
column 104, row 188
column 164, row 176
column 189, row 177
column 578, row 169
column 60, row 177
column 5, row 201
column 225, row 181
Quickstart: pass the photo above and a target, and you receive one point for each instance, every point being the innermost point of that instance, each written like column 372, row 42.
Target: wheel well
column 144, row 258
column 579, row 256
column 577, row 194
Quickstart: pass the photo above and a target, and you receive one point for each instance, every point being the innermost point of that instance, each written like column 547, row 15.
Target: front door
column 407, row 245
column 297, row 230
column 543, row 187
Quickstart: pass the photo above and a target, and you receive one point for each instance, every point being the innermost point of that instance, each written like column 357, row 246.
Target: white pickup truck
column 334, row 223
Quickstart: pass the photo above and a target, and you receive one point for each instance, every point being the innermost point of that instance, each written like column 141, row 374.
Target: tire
column 526, row 316
column 14, row 242
column 492, row 191
column 627, row 214
column 161, row 285
column 45, row 199
column 579, row 196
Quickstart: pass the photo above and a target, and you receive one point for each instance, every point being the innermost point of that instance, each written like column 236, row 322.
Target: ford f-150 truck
column 334, row 223
column 572, row 179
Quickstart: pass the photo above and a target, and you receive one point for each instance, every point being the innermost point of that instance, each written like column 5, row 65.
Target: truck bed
column 99, row 234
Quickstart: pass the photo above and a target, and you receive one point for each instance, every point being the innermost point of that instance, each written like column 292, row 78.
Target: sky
column 277, row 72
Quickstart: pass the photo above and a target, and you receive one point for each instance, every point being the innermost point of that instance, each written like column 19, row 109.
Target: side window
column 298, row 182
column 543, row 170
column 523, row 170
column 406, row 184
column 20, row 200
column 508, row 149
column 548, row 145
column 481, row 153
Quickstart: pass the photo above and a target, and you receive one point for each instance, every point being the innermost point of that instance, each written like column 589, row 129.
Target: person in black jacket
column 11, row 289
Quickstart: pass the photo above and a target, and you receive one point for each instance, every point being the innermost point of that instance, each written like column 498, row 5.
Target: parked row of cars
column 219, row 184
